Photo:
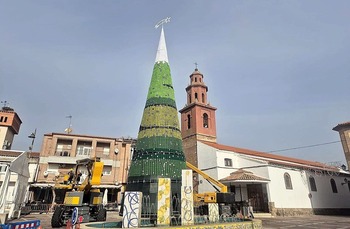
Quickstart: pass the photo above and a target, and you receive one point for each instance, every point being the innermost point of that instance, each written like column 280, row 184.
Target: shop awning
column 107, row 186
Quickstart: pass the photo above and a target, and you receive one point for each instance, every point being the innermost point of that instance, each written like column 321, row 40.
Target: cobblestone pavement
column 304, row 222
column 45, row 219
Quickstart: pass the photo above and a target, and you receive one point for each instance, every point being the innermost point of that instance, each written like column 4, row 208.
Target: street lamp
column 32, row 136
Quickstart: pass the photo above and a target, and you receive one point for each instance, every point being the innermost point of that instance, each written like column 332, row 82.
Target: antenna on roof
column 69, row 129
column 6, row 107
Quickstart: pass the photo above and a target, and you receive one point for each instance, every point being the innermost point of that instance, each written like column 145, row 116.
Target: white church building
column 271, row 183
column 276, row 184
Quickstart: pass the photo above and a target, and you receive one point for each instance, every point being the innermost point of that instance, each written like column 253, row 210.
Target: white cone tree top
column 162, row 54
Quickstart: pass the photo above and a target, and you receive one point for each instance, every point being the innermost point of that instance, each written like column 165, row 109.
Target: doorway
column 258, row 197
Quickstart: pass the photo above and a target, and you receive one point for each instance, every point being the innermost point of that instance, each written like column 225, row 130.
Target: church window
column 288, row 181
column 196, row 96
column 200, row 80
column 228, row 162
column 202, row 97
column 5, row 120
column 195, row 79
column 1, row 118
column 188, row 121
column 334, row 186
column 312, row 184
column 205, row 120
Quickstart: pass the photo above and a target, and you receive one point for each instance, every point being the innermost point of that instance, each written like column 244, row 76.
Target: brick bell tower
column 197, row 117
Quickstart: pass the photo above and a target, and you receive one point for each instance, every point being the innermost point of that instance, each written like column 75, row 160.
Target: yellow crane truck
column 81, row 199
column 225, row 199
column 221, row 196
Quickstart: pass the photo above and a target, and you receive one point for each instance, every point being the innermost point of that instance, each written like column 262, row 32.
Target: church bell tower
column 197, row 117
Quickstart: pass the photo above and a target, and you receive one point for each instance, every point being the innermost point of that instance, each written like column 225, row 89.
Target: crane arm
column 223, row 188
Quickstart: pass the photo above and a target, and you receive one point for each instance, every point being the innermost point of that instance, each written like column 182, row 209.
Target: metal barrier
column 33, row 224
column 38, row 208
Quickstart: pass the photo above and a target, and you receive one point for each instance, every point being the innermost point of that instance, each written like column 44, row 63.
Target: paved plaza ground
column 319, row 222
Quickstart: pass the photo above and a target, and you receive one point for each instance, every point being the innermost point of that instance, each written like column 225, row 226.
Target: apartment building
column 60, row 151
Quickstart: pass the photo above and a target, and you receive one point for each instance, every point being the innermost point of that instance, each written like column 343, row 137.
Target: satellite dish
column 46, row 173
column 68, row 130
column 116, row 151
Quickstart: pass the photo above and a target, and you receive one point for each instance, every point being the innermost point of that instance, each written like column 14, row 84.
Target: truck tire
column 101, row 215
column 56, row 220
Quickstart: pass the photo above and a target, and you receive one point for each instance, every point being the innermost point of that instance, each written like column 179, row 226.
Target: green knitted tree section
column 158, row 150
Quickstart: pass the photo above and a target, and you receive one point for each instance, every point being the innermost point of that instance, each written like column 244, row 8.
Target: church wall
column 324, row 196
column 207, row 162
column 288, row 198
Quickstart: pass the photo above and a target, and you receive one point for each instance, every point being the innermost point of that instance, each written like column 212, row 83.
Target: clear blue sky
column 278, row 71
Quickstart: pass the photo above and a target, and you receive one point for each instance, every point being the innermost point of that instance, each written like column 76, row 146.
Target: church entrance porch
column 253, row 194
column 249, row 189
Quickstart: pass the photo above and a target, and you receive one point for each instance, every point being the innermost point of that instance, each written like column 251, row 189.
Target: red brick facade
column 197, row 117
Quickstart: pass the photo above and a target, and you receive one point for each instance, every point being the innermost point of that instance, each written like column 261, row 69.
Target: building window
column 102, row 148
column 195, row 79
column 334, row 186
column 63, row 147
column 228, row 162
column 54, row 167
column 3, row 168
column 188, row 121
column 5, row 120
column 189, row 98
column 83, row 151
column 205, row 120
column 106, row 151
column 107, row 170
column 84, row 148
column 195, row 96
column 312, row 184
column 202, row 97
column 288, row 181
column 1, row 118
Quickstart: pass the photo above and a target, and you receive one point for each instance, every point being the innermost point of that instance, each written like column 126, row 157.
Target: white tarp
column 105, row 197
column 19, row 166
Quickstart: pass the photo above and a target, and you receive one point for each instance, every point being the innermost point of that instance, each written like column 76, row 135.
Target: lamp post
column 32, row 136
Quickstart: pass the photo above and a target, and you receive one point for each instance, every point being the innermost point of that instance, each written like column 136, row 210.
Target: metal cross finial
column 161, row 22
column 196, row 65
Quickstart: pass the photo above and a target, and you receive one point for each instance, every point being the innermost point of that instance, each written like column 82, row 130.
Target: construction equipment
column 221, row 196
column 81, row 199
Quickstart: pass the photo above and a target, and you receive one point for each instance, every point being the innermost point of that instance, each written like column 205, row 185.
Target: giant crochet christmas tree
column 158, row 152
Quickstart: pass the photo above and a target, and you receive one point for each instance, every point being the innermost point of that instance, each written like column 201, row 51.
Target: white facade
column 275, row 193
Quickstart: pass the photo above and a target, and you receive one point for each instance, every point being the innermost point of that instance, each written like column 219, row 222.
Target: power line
column 303, row 147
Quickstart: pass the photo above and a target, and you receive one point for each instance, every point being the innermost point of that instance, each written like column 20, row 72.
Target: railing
column 48, row 208
column 38, row 208
column 227, row 213
column 32, row 224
